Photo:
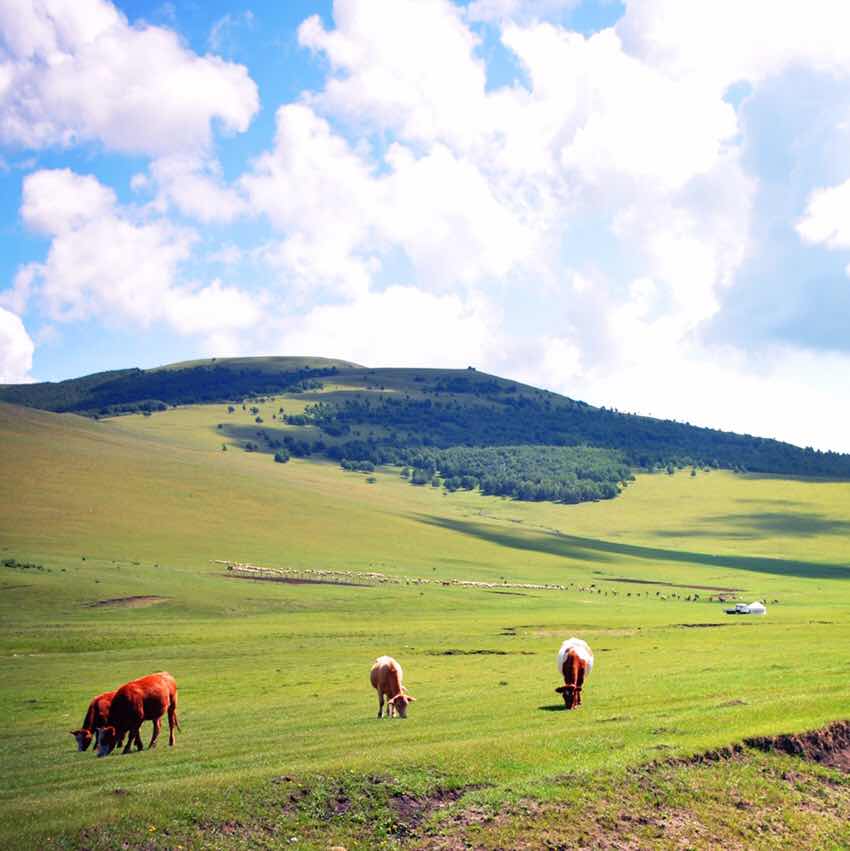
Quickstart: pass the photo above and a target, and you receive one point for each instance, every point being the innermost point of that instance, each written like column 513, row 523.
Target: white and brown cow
column 575, row 662
column 386, row 677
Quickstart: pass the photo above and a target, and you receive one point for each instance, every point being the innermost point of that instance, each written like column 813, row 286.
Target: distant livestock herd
column 114, row 715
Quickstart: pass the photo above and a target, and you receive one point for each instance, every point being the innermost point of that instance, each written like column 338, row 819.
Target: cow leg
column 137, row 739
column 157, row 726
column 579, row 683
column 572, row 672
column 172, row 722
column 133, row 733
column 381, row 704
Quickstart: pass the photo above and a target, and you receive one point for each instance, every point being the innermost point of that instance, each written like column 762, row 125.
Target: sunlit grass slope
column 274, row 678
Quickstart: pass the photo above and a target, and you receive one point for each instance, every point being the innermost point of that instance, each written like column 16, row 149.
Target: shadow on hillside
column 791, row 477
column 265, row 437
column 594, row 549
column 768, row 523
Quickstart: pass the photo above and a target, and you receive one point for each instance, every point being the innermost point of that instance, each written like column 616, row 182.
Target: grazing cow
column 96, row 716
column 575, row 662
column 145, row 699
column 386, row 676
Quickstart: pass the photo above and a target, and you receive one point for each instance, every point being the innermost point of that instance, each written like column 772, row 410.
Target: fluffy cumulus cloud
column 827, row 217
column 16, row 349
column 76, row 71
column 725, row 42
column 108, row 262
column 419, row 328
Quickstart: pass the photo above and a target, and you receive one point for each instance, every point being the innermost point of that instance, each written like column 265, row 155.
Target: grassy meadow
column 280, row 745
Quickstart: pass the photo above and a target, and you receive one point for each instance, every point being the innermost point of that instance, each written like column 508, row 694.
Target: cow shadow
column 553, row 707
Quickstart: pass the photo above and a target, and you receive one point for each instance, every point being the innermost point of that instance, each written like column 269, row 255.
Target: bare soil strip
column 829, row 745
column 135, row 602
column 671, row 584
column 295, row 580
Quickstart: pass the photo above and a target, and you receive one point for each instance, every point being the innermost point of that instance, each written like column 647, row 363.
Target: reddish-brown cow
column 386, row 676
column 96, row 716
column 575, row 662
column 145, row 699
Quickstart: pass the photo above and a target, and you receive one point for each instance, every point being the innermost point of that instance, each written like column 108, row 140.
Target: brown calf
column 575, row 662
column 145, row 699
column 386, row 676
column 96, row 716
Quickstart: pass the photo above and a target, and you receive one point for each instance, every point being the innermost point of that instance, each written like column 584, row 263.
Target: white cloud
column 449, row 220
column 827, row 217
column 406, row 65
column 77, row 71
column 319, row 194
column 339, row 214
column 401, row 326
column 58, row 200
column 500, row 10
column 104, row 262
column 727, row 41
column 195, row 187
column 16, row 349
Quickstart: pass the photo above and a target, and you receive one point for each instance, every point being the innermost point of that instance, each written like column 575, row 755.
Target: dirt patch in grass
column 829, row 745
column 412, row 810
column 136, row 602
column 731, row 798
column 671, row 584
column 292, row 580
column 453, row 651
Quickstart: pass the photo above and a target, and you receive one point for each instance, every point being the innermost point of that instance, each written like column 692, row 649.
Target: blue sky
column 643, row 204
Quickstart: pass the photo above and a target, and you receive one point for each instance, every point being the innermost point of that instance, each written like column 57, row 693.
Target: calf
column 145, row 699
column 96, row 716
column 575, row 662
column 386, row 676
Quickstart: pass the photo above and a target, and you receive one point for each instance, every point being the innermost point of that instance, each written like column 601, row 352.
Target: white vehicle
column 756, row 608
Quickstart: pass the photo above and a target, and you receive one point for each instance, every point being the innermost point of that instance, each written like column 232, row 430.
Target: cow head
column 400, row 702
column 83, row 738
column 571, row 695
column 106, row 741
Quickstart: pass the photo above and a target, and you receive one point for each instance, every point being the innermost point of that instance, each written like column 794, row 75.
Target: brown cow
column 96, row 716
column 575, row 662
column 386, row 676
column 145, row 699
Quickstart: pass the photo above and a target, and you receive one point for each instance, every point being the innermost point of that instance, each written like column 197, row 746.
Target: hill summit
column 459, row 422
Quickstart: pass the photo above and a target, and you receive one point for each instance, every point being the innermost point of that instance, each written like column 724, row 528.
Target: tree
column 281, row 456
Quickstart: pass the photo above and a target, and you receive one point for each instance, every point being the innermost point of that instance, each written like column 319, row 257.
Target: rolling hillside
column 403, row 416
column 111, row 534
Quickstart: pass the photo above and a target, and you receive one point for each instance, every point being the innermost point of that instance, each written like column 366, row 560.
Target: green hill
column 409, row 416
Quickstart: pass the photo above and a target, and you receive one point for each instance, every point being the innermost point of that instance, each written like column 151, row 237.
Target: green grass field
column 279, row 737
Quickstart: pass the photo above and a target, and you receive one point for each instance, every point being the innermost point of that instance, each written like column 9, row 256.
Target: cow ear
column 410, row 697
column 561, row 689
